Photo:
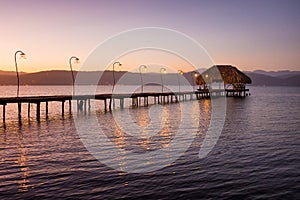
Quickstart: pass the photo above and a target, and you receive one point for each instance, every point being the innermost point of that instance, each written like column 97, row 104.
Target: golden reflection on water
column 22, row 162
column 206, row 105
column 143, row 121
column 165, row 135
column 149, row 139
column 119, row 141
column 143, row 118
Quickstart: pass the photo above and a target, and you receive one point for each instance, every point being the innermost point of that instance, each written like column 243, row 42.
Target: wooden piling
column 105, row 105
column 19, row 111
column 62, row 108
column 84, row 106
column 3, row 114
column 122, row 103
column 89, row 104
column 46, row 109
column 110, row 102
column 38, row 111
column 70, row 106
column 28, row 111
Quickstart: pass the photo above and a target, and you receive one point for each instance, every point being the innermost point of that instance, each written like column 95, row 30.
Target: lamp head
column 142, row 67
column 23, row 55
column 163, row 70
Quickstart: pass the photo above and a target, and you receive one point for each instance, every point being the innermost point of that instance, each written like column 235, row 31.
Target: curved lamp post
column 70, row 63
column 22, row 54
column 114, row 74
column 162, row 70
column 180, row 72
column 140, row 69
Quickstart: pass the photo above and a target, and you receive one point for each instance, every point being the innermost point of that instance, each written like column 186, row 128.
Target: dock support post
column 134, row 103
column 110, row 102
column 70, row 106
column 89, row 104
column 19, row 111
column 63, row 108
column 122, row 103
column 3, row 116
column 84, row 105
column 105, row 105
column 28, row 110
column 46, row 109
column 38, row 110
column 77, row 101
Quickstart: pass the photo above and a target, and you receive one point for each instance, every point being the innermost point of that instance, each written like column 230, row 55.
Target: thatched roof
column 227, row 73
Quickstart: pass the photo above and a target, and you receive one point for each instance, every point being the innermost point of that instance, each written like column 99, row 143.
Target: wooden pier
column 137, row 99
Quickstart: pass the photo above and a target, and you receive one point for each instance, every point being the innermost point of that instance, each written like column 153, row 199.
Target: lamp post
column 70, row 63
column 180, row 72
column 162, row 70
column 114, row 74
column 22, row 54
column 140, row 69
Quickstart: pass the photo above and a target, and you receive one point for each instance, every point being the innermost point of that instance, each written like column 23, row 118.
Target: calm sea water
column 256, row 156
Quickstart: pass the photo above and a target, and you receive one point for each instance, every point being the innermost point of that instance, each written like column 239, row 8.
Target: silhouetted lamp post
column 114, row 74
column 180, row 72
column 162, row 70
column 22, row 54
column 140, row 69
column 70, row 63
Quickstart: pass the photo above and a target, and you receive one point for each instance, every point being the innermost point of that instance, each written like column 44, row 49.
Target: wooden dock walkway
column 137, row 99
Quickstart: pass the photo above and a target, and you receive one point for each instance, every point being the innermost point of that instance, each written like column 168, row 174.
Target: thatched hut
column 227, row 74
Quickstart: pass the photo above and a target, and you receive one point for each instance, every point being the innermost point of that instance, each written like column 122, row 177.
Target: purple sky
column 248, row 34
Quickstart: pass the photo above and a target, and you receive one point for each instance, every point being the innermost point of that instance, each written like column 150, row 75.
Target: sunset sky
column 248, row 34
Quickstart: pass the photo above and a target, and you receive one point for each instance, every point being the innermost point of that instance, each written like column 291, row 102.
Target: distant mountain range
column 274, row 78
column 57, row 77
